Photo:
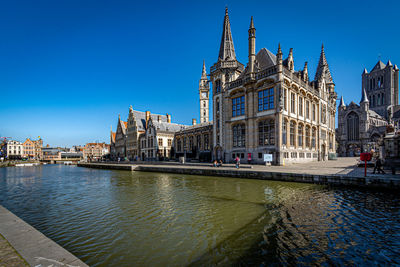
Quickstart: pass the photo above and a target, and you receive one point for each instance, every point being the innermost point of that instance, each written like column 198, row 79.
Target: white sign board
column 268, row 157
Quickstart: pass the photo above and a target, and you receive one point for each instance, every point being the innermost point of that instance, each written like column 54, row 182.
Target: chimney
column 159, row 118
column 194, row 121
column 147, row 117
column 168, row 118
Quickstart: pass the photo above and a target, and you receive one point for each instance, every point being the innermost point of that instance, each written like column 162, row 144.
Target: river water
column 122, row 218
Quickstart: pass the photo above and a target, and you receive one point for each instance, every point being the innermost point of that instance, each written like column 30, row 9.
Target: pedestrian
column 219, row 163
column 378, row 166
column 215, row 163
column 237, row 162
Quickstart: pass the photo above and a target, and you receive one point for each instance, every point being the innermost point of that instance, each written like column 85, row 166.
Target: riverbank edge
column 33, row 246
column 336, row 180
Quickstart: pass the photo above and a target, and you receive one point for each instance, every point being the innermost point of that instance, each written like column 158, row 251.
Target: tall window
column 238, row 106
column 266, row 132
column 308, row 144
column 160, row 142
column 292, row 102
column 284, row 132
column 292, row 132
column 191, row 143
column 179, row 145
column 313, row 140
column 314, row 111
column 198, row 141
column 169, row 142
column 307, row 109
column 266, row 99
column 218, row 86
column 206, row 142
column 323, row 114
column 352, row 127
column 285, row 98
column 300, row 135
column 301, row 106
column 239, row 135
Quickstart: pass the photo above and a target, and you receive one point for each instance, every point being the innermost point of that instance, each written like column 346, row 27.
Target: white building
column 15, row 150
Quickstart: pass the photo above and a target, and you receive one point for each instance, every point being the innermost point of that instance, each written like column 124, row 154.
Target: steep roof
column 167, row 127
column 379, row 66
column 323, row 68
column 140, row 117
column 264, row 59
column 226, row 49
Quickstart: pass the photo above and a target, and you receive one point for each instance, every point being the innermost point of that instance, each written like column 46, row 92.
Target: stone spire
column 226, row 50
column 279, row 54
column 364, row 97
column 252, row 46
column 323, row 68
column 305, row 71
column 341, row 103
column 204, row 72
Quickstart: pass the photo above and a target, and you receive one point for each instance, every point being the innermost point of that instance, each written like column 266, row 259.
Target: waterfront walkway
column 343, row 171
column 23, row 245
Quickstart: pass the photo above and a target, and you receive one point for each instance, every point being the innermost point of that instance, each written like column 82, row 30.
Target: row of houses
column 29, row 149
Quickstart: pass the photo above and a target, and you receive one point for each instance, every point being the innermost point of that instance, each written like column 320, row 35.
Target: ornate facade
column 269, row 108
column 143, row 136
column 362, row 127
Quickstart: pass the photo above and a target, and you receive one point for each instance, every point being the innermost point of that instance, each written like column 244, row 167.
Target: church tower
column 204, row 92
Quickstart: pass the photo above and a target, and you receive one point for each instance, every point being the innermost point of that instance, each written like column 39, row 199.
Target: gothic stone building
column 360, row 127
column 265, row 107
column 268, row 107
column 143, row 136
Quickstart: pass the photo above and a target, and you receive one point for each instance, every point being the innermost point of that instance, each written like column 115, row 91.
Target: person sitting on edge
column 378, row 166
column 215, row 163
column 219, row 163
column 237, row 162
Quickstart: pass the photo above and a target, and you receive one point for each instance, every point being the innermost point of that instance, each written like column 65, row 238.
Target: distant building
column 95, row 151
column 361, row 127
column 14, row 150
column 143, row 136
column 29, row 149
column 38, row 148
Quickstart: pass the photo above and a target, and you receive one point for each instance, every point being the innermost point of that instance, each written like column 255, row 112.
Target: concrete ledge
column 332, row 179
column 33, row 246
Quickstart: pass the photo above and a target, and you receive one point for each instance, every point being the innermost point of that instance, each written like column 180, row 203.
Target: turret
column 323, row 68
column 364, row 103
column 341, row 103
column 279, row 55
column 204, row 89
column 252, row 46
column 305, row 72
column 290, row 60
column 226, row 49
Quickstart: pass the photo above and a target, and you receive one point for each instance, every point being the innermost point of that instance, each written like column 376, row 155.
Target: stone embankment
column 27, row 245
column 342, row 173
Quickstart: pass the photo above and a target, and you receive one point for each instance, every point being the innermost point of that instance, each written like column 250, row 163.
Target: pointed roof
column 323, row 68
column 379, row 66
column 364, row 97
column 395, row 67
column 365, row 71
column 341, row 104
column 251, row 23
column 389, row 63
column 226, row 49
column 204, row 72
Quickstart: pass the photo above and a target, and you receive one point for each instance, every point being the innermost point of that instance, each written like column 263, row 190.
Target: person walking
column 378, row 166
column 237, row 162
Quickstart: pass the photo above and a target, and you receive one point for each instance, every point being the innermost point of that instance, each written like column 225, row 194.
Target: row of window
column 376, row 83
column 377, row 100
column 150, row 142
column 191, row 144
column 265, row 102
column 304, row 106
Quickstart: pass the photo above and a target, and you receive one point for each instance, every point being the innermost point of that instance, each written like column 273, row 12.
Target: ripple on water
column 117, row 218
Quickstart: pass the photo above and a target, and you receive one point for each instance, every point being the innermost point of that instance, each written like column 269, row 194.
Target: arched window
column 284, row 132
column 379, row 100
column 292, row 132
column 300, row 135
column 313, row 138
column 352, row 127
column 239, row 135
column 308, row 133
column 218, row 86
column 266, row 133
column 383, row 99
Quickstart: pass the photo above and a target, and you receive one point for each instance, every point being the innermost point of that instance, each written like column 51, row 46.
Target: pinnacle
column 251, row 23
column 226, row 50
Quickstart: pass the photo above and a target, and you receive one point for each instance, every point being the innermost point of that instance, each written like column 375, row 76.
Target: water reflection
column 119, row 218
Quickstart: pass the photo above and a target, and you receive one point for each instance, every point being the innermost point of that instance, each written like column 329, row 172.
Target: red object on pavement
column 365, row 157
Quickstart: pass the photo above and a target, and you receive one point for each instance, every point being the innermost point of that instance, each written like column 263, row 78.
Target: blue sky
column 68, row 68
